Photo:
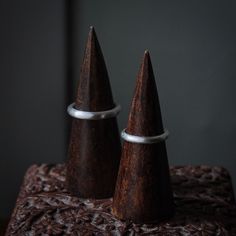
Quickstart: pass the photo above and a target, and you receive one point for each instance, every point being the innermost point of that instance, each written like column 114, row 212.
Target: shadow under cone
column 94, row 150
column 143, row 190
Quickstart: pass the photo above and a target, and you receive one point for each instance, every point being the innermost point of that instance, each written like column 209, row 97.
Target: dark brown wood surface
column 143, row 191
column 95, row 149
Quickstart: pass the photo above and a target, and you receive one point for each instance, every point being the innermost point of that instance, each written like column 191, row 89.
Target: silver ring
column 92, row 115
column 144, row 139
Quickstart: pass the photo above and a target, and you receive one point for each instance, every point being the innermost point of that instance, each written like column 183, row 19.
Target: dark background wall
column 32, row 90
column 193, row 50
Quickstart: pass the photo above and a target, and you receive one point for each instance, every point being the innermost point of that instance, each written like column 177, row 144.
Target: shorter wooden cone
column 143, row 191
column 94, row 150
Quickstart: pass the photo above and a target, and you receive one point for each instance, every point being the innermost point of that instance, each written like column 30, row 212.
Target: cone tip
column 92, row 31
column 91, row 36
column 91, row 27
column 146, row 56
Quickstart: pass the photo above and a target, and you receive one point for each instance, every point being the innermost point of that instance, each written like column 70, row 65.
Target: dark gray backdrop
column 32, row 90
column 193, row 50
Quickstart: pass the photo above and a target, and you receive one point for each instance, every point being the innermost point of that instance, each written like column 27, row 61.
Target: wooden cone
column 143, row 190
column 94, row 150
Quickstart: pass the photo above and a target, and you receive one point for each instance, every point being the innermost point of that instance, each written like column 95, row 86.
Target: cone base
column 140, row 220
column 143, row 189
column 93, row 158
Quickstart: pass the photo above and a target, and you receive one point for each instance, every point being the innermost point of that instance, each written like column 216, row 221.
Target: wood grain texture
column 94, row 150
column 143, row 191
column 204, row 200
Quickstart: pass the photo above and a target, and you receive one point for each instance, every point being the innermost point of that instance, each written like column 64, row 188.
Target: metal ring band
column 144, row 139
column 92, row 115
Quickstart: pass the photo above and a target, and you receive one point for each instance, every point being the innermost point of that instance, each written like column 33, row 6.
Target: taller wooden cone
column 94, row 90
column 94, row 150
column 143, row 190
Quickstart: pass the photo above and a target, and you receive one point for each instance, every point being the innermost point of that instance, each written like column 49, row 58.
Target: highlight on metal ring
column 92, row 115
column 144, row 139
